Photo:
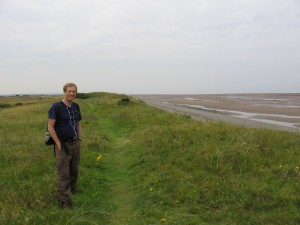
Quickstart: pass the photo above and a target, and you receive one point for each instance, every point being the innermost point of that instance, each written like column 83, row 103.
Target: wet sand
column 275, row 111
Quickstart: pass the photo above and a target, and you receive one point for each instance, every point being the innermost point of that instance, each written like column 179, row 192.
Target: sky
column 150, row 46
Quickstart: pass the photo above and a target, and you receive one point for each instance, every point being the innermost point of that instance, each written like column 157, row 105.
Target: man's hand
column 58, row 145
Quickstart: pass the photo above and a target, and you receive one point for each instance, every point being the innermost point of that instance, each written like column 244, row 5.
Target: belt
column 70, row 139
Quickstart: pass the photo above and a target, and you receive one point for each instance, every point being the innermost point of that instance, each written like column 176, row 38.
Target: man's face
column 70, row 93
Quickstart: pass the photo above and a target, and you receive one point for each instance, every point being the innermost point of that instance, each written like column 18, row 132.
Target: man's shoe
column 76, row 191
column 65, row 204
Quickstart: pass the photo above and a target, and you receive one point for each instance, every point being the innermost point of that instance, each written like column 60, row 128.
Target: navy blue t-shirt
column 66, row 120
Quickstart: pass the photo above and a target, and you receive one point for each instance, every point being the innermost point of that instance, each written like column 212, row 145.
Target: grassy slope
column 157, row 168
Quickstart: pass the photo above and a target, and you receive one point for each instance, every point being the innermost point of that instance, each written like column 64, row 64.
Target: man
column 65, row 129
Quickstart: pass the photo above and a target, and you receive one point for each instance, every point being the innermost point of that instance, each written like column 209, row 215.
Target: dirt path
column 206, row 115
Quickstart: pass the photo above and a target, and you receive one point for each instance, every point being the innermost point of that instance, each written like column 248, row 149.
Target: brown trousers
column 67, row 165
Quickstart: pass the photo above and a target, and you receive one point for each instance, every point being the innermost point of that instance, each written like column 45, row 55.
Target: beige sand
column 274, row 107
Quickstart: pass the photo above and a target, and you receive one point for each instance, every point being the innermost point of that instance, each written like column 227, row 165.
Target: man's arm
column 78, row 130
column 51, row 123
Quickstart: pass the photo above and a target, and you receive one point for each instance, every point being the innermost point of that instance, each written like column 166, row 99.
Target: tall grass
column 157, row 168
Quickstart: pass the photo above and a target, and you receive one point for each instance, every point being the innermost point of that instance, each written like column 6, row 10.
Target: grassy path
column 116, row 160
column 121, row 187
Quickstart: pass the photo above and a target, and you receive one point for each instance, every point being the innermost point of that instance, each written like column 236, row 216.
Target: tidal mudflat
column 280, row 111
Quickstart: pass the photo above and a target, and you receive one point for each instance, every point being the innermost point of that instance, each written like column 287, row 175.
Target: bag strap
column 57, row 115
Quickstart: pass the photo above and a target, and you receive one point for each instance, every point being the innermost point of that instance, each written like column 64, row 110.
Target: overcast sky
column 150, row 46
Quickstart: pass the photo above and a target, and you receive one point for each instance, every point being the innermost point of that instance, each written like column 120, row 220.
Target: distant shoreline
column 159, row 94
column 268, row 110
column 24, row 95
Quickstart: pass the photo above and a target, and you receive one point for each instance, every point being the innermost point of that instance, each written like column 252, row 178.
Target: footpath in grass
column 112, row 141
column 121, row 185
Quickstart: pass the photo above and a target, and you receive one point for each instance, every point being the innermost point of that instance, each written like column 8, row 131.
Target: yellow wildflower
column 99, row 158
column 163, row 220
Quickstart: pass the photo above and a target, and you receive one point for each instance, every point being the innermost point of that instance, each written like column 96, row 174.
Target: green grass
column 157, row 168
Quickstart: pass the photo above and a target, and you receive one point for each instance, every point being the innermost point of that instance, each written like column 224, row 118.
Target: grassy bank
column 156, row 168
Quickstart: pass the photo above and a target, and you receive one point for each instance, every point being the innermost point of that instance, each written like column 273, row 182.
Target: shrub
column 83, row 95
column 124, row 100
column 4, row 105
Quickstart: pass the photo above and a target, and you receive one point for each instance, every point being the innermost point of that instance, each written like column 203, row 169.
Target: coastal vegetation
column 142, row 165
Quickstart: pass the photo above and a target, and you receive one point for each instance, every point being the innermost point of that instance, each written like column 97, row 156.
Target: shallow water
column 281, row 109
column 251, row 116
